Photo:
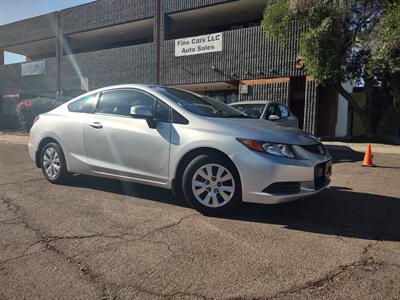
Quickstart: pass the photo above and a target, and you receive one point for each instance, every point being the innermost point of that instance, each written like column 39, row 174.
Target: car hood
column 264, row 130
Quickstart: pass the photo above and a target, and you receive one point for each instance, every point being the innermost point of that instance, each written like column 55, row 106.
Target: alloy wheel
column 213, row 185
column 51, row 162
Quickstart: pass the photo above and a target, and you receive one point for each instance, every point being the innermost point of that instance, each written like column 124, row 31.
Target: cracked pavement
column 96, row 238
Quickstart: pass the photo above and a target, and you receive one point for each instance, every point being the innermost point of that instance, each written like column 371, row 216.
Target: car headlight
column 282, row 150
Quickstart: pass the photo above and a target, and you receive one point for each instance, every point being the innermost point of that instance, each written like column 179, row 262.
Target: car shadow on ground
column 125, row 188
column 343, row 154
column 335, row 211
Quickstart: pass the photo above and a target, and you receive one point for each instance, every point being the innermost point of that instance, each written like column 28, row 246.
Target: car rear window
column 86, row 104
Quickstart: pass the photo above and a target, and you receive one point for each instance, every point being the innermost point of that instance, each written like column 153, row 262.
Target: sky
column 15, row 10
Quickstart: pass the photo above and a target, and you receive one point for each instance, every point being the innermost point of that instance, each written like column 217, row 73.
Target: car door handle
column 96, row 125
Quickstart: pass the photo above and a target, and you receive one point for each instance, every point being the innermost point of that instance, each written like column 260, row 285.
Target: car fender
column 219, row 142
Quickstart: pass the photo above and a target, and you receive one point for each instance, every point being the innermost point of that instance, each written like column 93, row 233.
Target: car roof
column 114, row 87
column 122, row 86
column 251, row 102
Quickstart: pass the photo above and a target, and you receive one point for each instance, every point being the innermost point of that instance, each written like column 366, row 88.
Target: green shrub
column 276, row 19
column 27, row 110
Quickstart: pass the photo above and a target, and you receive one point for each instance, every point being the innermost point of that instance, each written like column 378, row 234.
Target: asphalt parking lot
column 103, row 239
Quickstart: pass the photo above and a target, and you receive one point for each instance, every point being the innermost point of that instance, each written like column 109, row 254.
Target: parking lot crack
column 9, row 221
column 124, row 237
column 96, row 235
column 48, row 244
column 19, row 257
column 165, row 227
column 108, row 291
column 367, row 248
column 363, row 264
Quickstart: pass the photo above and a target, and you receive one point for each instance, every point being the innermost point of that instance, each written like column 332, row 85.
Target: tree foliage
column 356, row 40
column 384, row 44
column 276, row 19
column 319, row 50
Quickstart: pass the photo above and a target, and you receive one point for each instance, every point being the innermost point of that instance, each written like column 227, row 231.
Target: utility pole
column 158, row 38
column 59, row 55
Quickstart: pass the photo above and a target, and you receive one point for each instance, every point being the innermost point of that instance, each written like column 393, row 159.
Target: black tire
column 62, row 174
column 196, row 164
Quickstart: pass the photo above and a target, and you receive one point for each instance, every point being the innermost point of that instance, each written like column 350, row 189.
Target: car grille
column 316, row 149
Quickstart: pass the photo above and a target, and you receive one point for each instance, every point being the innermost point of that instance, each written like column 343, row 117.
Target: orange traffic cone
column 368, row 157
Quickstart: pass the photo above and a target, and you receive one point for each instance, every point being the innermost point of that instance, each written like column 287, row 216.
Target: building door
column 297, row 98
column 327, row 112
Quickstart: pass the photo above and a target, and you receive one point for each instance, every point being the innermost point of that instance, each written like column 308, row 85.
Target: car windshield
column 200, row 105
column 252, row 110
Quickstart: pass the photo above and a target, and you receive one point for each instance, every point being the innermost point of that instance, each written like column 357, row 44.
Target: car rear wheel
column 52, row 161
column 211, row 185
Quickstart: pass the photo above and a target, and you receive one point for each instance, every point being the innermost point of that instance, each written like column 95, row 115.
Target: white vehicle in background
column 268, row 110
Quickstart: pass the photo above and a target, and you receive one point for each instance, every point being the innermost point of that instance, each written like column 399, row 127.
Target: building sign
column 33, row 68
column 199, row 44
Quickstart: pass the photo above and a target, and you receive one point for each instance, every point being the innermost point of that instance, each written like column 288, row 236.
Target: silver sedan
column 211, row 154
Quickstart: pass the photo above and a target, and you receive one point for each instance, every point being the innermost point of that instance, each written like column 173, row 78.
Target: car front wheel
column 211, row 185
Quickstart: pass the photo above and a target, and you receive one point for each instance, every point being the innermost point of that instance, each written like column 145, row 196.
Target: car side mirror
column 273, row 117
column 143, row 112
column 140, row 112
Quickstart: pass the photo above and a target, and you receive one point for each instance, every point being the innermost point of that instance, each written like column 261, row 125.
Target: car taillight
column 36, row 119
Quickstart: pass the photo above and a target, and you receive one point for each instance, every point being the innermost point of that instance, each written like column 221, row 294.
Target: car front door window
column 119, row 102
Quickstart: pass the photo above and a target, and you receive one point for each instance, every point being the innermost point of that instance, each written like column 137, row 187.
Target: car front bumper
column 258, row 171
column 266, row 198
column 32, row 151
